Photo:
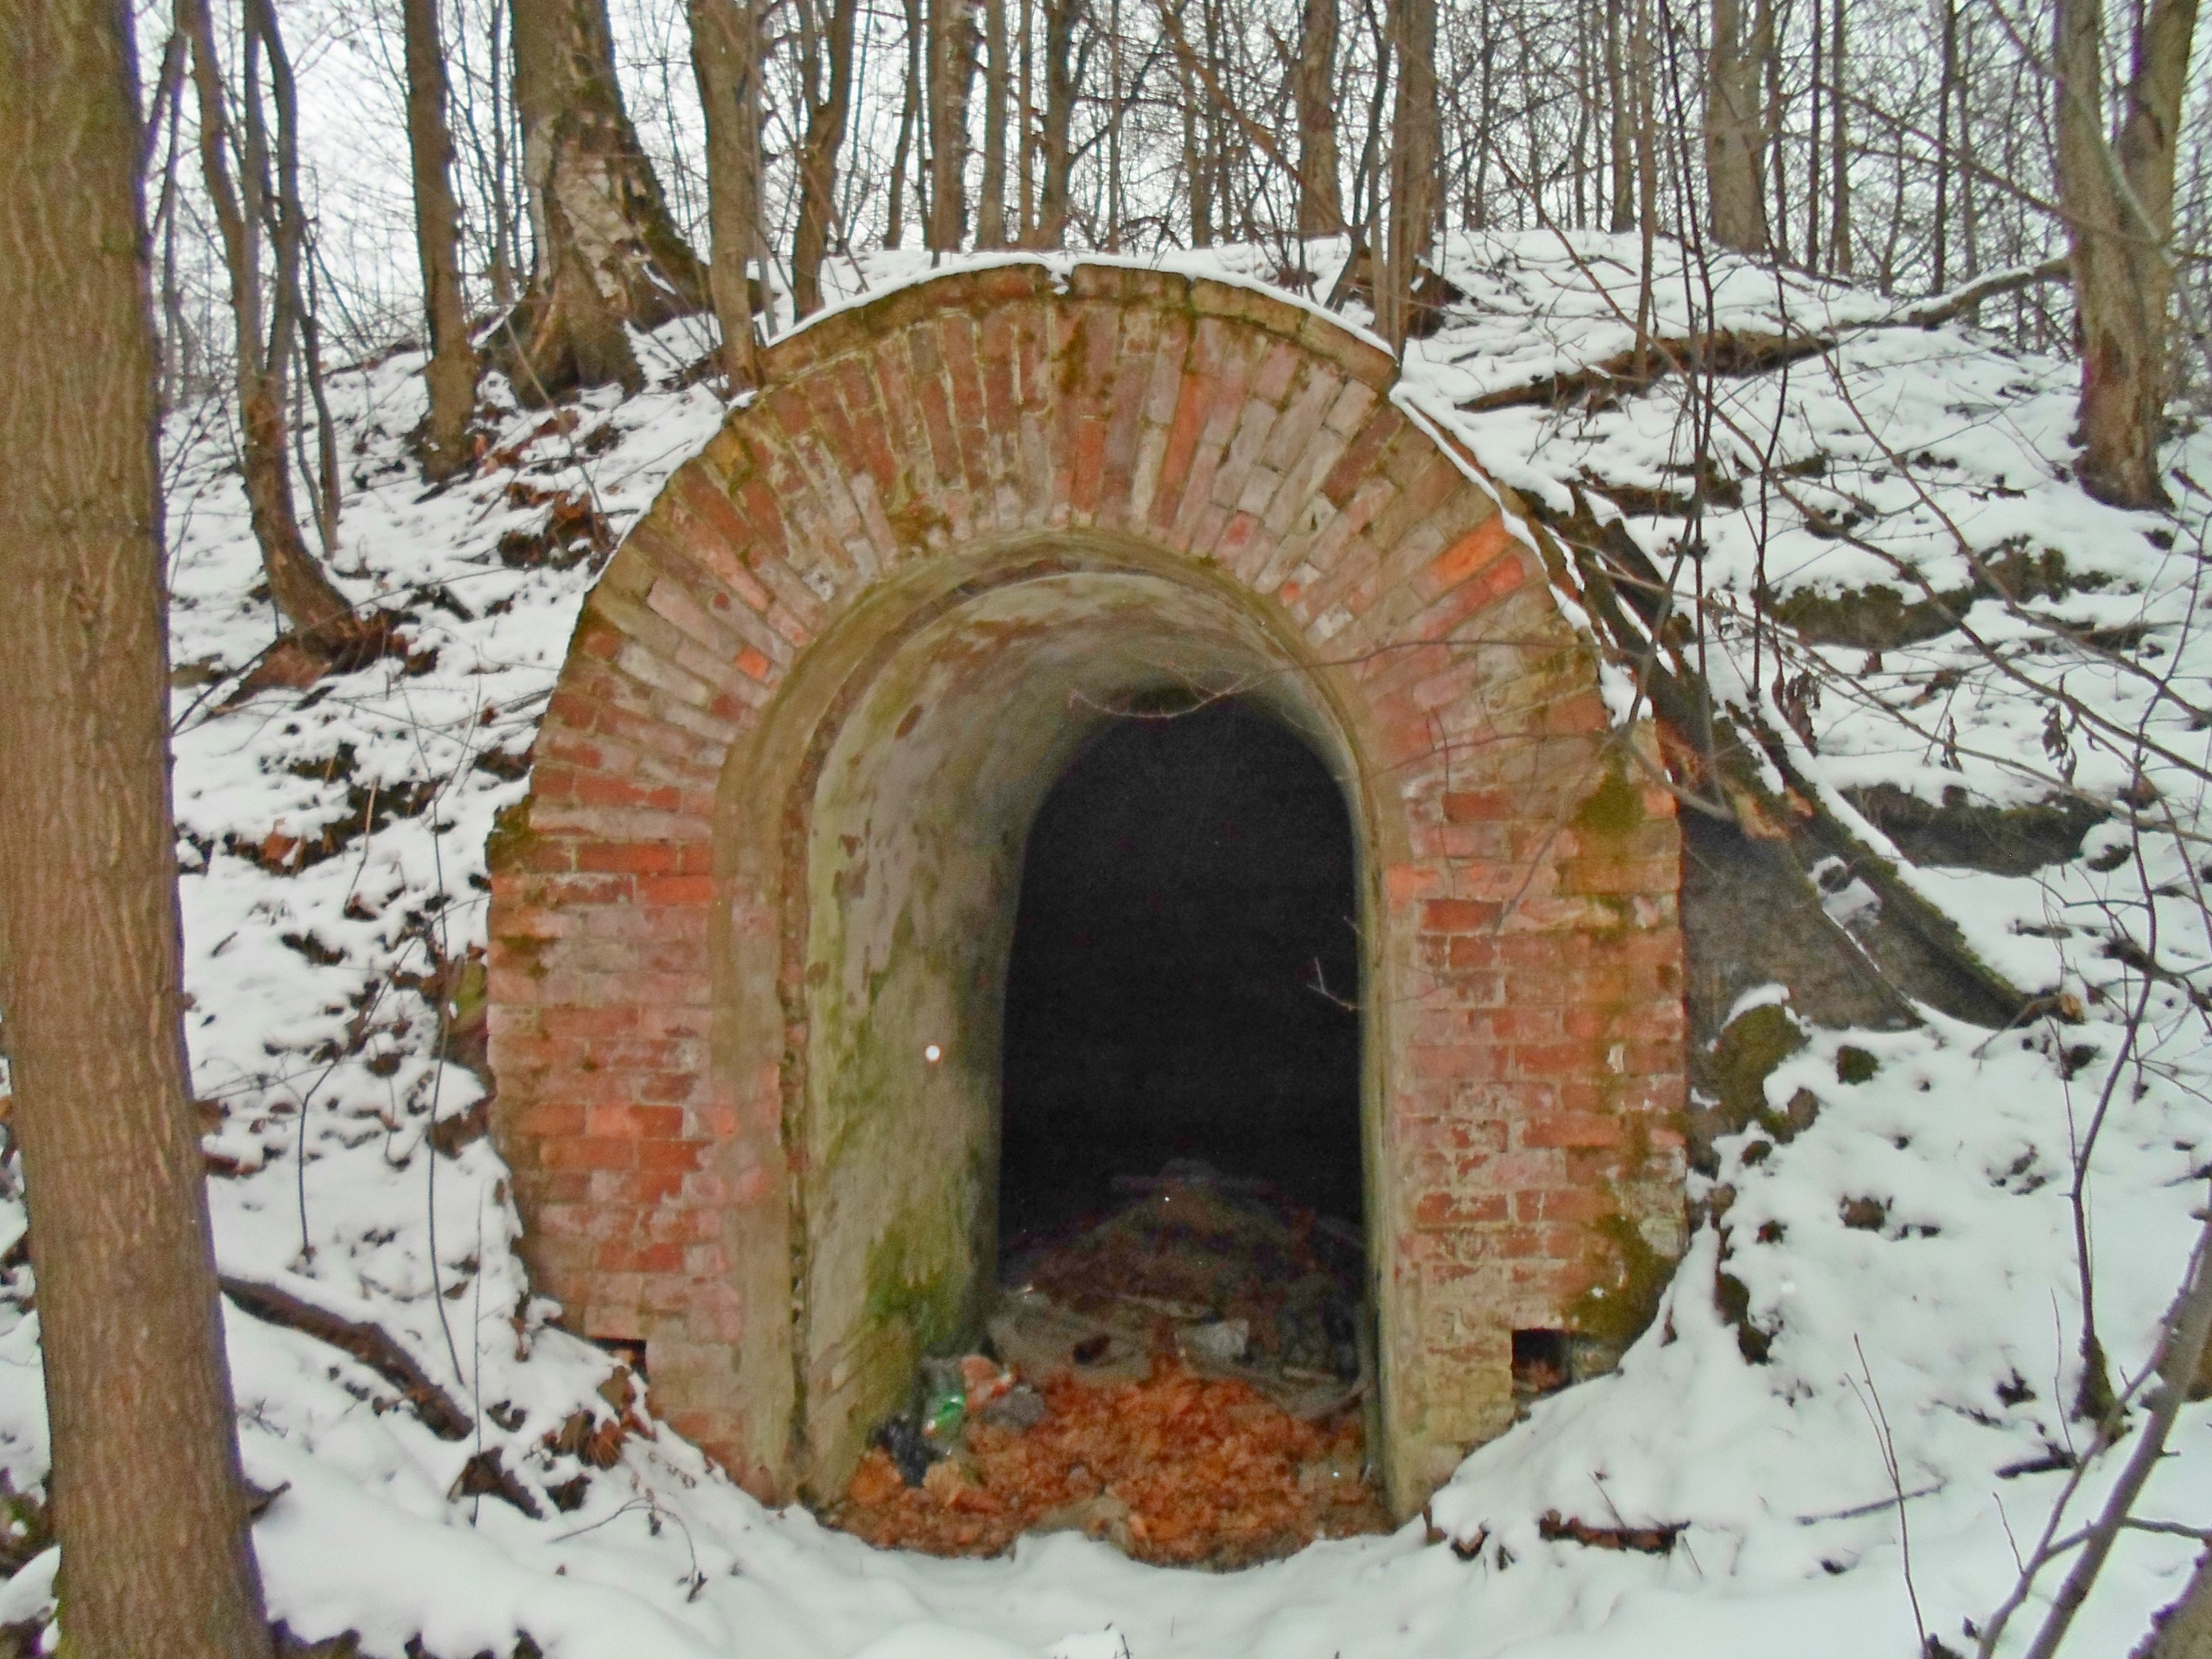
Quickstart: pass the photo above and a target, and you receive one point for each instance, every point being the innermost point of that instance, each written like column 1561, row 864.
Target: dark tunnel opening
column 1184, row 972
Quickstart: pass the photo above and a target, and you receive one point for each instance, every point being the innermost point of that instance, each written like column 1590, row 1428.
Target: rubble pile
column 1184, row 1379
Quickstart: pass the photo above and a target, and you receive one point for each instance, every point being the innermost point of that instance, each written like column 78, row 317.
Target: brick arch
column 1059, row 479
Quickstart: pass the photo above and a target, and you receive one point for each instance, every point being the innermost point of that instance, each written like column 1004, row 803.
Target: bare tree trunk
column 179, row 358
column 1485, row 126
column 1117, row 110
column 1585, row 119
column 2119, row 200
column 1413, row 134
column 1620, row 126
column 1736, row 135
column 1645, row 73
column 313, row 608
column 826, row 73
column 1886, row 280
column 1219, row 117
column 293, row 331
column 2185, row 1630
column 163, row 111
column 1839, row 151
column 909, row 119
column 951, row 77
column 2182, row 1342
column 1060, row 77
column 1968, row 167
column 1947, row 76
column 452, row 374
column 1778, row 221
column 1197, row 166
column 726, row 59
column 991, row 212
column 1367, row 172
column 1321, row 201
column 1813, row 146
column 324, row 486
column 608, row 254
column 506, row 232
column 1026, row 151
column 147, row 1500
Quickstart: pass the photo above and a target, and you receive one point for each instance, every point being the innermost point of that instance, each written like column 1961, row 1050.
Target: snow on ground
column 1930, row 1349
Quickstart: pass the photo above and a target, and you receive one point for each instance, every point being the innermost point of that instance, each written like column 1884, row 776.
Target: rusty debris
column 1175, row 1469
column 1184, row 1379
column 1649, row 1540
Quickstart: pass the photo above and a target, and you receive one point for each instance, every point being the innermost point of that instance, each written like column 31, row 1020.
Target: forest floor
column 1839, row 1463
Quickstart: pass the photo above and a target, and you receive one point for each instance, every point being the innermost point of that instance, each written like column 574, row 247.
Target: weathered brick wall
column 1525, row 1033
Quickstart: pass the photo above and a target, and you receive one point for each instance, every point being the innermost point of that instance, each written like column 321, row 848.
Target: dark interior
column 1184, row 971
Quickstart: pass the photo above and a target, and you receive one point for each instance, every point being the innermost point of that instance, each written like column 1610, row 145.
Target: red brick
column 1572, row 1129
column 617, row 1258
column 544, row 1123
column 546, row 856
column 1484, row 805
column 656, row 1156
column 612, row 1020
column 672, row 889
column 648, row 1187
column 1435, row 1210
column 1626, row 1097
column 1403, row 883
column 1352, row 467
column 1459, row 1060
column 629, row 858
column 1485, row 588
column 1581, row 714
column 590, row 1153
column 1459, row 915
column 957, row 344
column 1194, row 403
column 1563, row 1204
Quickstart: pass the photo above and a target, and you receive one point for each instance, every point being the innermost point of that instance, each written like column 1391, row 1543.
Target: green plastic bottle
column 942, row 1413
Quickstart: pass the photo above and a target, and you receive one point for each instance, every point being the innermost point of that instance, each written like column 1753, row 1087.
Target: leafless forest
column 523, row 187
column 1915, row 147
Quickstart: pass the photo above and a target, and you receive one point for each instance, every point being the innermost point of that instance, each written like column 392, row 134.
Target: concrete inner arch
column 914, row 854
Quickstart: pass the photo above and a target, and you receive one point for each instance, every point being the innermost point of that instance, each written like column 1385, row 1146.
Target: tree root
column 371, row 1345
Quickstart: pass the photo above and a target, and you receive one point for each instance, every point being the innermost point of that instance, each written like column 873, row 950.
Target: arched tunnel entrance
column 754, row 1003
column 1184, row 976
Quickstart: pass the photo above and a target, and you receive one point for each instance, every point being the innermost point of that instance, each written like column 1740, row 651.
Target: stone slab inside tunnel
column 752, row 930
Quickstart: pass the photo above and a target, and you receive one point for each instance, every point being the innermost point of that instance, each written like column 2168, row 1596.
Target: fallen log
column 1739, row 352
column 371, row 1345
column 1733, row 352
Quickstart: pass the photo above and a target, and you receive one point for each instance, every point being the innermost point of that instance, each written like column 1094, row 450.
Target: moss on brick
column 1614, row 1310
column 915, row 1283
column 1614, row 809
column 511, row 837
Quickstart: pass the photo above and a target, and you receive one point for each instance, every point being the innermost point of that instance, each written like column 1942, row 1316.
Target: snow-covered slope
column 1908, row 1259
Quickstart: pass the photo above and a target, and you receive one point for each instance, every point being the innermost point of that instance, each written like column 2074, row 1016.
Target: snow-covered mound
column 1858, row 1390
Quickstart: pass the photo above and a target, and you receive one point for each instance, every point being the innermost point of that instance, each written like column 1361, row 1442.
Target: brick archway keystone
column 786, row 774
